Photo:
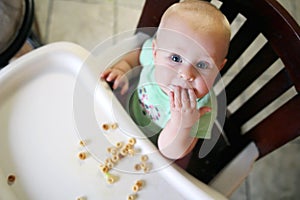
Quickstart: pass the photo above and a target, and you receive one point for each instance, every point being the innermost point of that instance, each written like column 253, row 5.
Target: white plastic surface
column 233, row 175
column 39, row 136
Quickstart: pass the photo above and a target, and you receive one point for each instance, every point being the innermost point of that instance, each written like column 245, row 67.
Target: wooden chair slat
column 239, row 43
column 271, row 91
column 256, row 66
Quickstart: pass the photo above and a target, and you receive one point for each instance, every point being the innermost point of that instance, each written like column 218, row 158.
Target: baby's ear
column 223, row 64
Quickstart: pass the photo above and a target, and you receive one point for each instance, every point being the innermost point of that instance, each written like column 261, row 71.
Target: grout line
column 48, row 21
column 115, row 19
column 247, row 186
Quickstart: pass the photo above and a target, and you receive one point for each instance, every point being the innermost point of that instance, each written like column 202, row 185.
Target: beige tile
column 133, row 4
column 127, row 16
column 86, row 24
column 240, row 193
column 293, row 7
column 41, row 16
column 277, row 175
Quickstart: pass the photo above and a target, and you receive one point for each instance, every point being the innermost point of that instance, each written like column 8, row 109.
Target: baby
column 179, row 66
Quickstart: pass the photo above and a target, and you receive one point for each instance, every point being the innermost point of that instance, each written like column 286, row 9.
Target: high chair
column 259, row 122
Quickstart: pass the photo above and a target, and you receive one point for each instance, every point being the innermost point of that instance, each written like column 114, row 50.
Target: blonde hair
column 199, row 15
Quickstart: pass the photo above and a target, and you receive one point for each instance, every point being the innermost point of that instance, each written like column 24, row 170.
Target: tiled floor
column 89, row 22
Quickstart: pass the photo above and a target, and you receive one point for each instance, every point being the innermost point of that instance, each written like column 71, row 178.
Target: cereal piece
column 139, row 183
column 128, row 146
column 82, row 155
column 147, row 169
column 119, row 145
column 143, row 165
column 109, row 149
column 137, row 167
column 111, row 180
column 124, row 152
column 144, row 158
column 108, row 160
column 132, row 141
column 135, row 188
column 115, row 158
column 81, row 198
column 131, row 152
column 114, row 126
column 114, row 151
column 110, row 165
column 11, row 179
column 132, row 197
column 82, row 143
column 104, row 169
column 105, row 127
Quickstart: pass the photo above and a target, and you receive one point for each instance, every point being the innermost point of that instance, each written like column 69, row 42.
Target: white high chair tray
column 39, row 138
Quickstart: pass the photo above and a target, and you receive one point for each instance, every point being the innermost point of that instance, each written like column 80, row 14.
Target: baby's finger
column 117, row 82
column 192, row 97
column 105, row 73
column 185, row 99
column 177, row 97
column 112, row 76
column 203, row 110
column 171, row 96
column 125, row 88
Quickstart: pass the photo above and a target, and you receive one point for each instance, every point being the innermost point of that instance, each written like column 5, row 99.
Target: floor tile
column 41, row 16
column 127, row 16
column 86, row 24
column 241, row 192
column 277, row 175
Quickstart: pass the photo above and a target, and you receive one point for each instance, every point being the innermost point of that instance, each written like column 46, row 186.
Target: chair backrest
column 270, row 116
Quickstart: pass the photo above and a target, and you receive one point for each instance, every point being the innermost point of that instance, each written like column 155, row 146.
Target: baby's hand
column 183, row 105
column 117, row 76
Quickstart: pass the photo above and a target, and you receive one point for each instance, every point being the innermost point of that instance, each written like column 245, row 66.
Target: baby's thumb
column 203, row 110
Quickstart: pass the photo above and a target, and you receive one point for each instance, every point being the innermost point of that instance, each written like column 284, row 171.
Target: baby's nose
column 187, row 73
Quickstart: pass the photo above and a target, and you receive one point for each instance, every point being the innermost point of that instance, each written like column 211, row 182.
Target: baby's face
column 187, row 58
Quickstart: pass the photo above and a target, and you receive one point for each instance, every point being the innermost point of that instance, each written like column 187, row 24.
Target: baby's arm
column 175, row 141
column 117, row 71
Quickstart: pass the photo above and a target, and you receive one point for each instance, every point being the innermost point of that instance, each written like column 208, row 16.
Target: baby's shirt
column 150, row 105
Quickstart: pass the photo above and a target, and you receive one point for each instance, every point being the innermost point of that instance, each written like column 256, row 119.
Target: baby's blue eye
column 202, row 65
column 176, row 58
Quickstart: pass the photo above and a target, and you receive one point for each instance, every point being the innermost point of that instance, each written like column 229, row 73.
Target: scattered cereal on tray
column 119, row 145
column 110, row 178
column 105, row 127
column 81, row 198
column 132, row 141
column 137, row 186
column 139, row 183
column 144, row 158
column 82, row 143
column 11, row 179
column 132, row 197
column 114, row 126
column 82, row 155
column 137, row 167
